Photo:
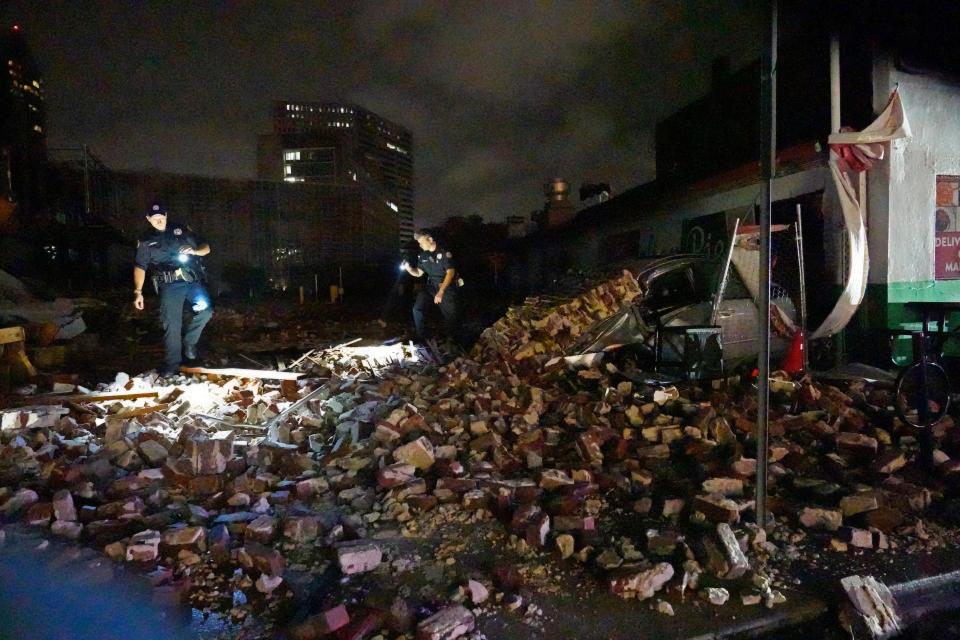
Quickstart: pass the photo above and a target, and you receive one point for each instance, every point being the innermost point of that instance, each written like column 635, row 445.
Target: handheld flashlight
column 183, row 257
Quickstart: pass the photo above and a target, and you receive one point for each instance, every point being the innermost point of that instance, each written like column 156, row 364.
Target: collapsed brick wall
column 545, row 327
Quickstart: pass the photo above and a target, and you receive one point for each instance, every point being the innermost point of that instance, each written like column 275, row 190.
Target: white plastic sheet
column 850, row 151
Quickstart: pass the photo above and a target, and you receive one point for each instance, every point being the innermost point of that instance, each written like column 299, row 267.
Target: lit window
column 393, row 206
column 287, row 169
column 291, row 155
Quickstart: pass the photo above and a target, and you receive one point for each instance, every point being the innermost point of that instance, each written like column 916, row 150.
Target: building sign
column 947, row 225
column 706, row 235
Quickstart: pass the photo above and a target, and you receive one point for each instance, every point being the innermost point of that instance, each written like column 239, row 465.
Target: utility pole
column 86, row 182
column 768, row 162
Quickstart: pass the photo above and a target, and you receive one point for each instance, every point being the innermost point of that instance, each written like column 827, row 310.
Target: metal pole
column 768, row 155
column 86, row 182
column 835, row 124
column 803, row 288
column 834, row 84
column 8, row 173
column 724, row 276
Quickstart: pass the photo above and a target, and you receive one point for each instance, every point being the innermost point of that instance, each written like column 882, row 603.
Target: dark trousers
column 172, row 298
column 448, row 307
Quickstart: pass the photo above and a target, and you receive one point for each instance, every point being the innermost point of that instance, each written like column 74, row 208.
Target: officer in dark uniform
column 173, row 252
column 441, row 287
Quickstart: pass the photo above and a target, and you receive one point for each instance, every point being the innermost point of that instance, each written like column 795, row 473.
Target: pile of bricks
column 188, row 487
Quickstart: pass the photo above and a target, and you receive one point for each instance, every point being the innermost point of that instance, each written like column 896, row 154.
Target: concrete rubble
column 551, row 460
column 871, row 610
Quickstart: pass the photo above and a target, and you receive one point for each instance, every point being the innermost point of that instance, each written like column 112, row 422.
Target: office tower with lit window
column 22, row 123
column 336, row 143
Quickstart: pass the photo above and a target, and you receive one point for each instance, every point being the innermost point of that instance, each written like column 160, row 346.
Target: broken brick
column 358, row 556
column 447, row 624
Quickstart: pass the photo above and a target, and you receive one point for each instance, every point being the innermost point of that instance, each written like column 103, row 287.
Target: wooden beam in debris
column 76, row 398
column 310, row 354
column 273, row 424
column 262, row 374
column 141, row 411
column 232, row 425
column 9, row 335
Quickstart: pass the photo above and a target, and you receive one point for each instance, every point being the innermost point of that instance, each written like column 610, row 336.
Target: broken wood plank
column 12, row 334
column 141, row 411
column 76, row 398
column 309, row 354
column 232, row 425
column 262, row 374
column 16, row 356
column 272, row 425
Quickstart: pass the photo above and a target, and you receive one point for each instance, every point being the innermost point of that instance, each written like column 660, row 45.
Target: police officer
column 441, row 288
column 173, row 251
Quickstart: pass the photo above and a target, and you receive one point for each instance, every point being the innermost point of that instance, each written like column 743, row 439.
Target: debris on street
column 383, row 473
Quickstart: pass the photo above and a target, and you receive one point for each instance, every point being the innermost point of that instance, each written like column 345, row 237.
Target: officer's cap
column 157, row 210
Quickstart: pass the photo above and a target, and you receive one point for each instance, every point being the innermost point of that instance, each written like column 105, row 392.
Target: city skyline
column 336, row 142
column 499, row 102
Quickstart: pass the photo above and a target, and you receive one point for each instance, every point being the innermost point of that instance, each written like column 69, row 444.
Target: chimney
column 558, row 209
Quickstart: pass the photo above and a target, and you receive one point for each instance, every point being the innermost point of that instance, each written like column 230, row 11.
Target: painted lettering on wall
column 706, row 235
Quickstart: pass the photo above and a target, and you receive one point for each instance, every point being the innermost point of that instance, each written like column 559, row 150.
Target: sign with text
column 707, row 235
column 947, row 246
column 947, row 225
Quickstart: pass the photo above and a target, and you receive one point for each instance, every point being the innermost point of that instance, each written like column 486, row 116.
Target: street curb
column 778, row 621
column 915, row 599
column 923, row 596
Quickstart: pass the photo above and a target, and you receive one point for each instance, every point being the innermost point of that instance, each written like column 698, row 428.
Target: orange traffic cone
column 793, row 363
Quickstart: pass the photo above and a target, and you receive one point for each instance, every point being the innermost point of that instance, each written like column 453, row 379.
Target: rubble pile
column 217, row 486
column 59, row 319
column 269, row 329
column 545, row 326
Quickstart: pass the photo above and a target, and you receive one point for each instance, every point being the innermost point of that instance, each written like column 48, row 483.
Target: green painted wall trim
column 900, row 317
column 929, row 291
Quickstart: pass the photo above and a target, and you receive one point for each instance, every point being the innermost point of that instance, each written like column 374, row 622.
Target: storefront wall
column 902, row 202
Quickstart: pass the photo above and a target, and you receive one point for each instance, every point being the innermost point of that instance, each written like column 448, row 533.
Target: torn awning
column 852, row 152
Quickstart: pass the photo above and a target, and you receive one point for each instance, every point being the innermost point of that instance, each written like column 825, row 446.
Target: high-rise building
column 337, row 143
column 22, row 123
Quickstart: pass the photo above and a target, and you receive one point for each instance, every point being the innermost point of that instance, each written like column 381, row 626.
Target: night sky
column 500, row 95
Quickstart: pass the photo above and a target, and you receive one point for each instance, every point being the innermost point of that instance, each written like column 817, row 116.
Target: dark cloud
column 500, row 95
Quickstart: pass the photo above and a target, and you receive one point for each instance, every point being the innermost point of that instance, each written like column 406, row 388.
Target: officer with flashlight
column 440, row 288
column 173, row 252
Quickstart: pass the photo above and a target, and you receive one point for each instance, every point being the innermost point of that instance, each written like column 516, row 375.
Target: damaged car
column 680, row 327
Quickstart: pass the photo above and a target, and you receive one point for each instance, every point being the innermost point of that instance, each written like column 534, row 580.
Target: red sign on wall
column 948, row 255
column 947, row 238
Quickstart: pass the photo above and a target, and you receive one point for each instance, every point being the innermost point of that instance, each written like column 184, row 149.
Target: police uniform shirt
column 160, row 248
column 435, row 264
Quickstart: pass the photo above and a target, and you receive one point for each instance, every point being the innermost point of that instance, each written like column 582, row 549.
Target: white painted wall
column 903, row 188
